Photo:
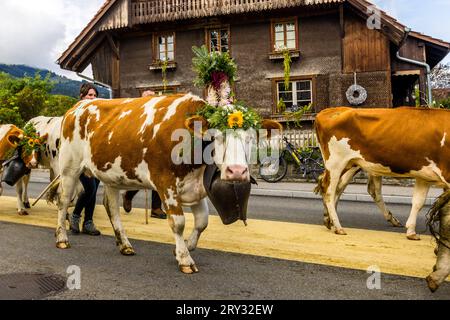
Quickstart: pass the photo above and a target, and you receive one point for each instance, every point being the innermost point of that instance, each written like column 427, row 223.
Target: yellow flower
column 236, row 119
column 31, row 143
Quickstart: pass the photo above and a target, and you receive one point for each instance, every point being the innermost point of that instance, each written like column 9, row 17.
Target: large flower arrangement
column 217, row 72
column 31, row 142
column 231, row 116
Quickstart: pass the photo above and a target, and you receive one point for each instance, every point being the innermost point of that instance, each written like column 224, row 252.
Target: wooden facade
column 332, row 42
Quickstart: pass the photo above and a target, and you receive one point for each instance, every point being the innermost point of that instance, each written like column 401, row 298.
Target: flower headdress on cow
column 217, row 72
column 31, row 141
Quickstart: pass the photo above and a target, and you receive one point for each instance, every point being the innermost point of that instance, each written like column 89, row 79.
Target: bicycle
column 308, row 161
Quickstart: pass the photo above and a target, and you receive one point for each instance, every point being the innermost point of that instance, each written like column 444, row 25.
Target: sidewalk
column 354, row 192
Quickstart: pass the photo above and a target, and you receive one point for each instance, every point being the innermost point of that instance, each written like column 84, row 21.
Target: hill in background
column 63, row 85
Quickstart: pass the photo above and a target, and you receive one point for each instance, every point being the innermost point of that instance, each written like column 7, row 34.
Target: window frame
column 219, row 28
column 156, row 52
column 284, row 21
column 275, row 92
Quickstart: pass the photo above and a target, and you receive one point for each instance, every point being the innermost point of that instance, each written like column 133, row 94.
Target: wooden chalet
column 329, row 41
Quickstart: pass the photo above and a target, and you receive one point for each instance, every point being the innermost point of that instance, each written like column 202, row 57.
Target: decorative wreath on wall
column 356, row 94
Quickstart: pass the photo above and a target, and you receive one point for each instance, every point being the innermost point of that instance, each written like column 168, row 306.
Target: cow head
column 31, row 148
column 233, row 147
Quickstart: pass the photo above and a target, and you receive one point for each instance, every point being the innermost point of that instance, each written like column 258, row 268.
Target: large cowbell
column 229, row 198
column 14, row 169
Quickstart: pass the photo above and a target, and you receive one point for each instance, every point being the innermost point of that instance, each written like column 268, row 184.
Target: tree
column 23, row 98
column 57, row 105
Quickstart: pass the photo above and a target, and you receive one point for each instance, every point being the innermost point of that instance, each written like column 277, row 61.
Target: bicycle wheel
column 313, row 170
column 269, row 172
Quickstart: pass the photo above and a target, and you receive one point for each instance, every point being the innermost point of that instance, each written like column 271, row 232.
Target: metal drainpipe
column 418, row 63
column 97, row 83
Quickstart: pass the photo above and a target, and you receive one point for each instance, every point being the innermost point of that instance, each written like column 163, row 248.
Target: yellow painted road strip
column 390, row 251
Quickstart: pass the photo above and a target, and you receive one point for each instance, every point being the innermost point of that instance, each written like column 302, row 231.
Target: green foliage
column 236, row 116
column 281, row 106
column 62, row 85
column 164, row 65
column 205, row 63
column 57, row 105
column 24, row 98
column 445, row 104
column 287, row 67
column 10, row 115
column 296, row 116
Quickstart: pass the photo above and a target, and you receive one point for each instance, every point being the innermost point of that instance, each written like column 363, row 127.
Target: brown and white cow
column 402, row 142
column 10, row 137
column 126, row 144
column 49, row 127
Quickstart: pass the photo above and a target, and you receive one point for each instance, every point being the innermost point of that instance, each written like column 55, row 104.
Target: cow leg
column 374, row 189
column 420, row 193
column 442, row 267
column 177, row 222
column 25, row 200
column 200, row 212
column 112, row 206
column 343, row 183
column 1, row 177
column 68, row 183
column 20, row 205
column 330, row 198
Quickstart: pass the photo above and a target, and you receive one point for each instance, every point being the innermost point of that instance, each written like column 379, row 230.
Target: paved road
column 351, row 214
column 152, row 274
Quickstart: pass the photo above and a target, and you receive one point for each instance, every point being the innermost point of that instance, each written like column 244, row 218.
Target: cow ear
column 44, row 138
column 190, row 123
column 14, row 139
column 270, row 125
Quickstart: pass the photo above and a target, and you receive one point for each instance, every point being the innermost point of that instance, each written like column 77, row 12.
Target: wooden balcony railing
column 169, row 10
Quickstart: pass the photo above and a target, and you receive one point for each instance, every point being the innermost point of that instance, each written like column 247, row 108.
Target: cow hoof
column 127, row 251
column 432, row 285
column 188, row 269
column 413, row 237
column 394, row 221
column 63, row 245
column 23, row 213
column 27, row 205
column 340, row 232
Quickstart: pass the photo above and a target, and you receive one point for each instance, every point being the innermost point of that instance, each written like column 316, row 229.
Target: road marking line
column 390, row 251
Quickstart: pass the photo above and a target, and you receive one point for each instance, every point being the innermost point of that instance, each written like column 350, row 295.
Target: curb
column 392, row 199
column 277, row 193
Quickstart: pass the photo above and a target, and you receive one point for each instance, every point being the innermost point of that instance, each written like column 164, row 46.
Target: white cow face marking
column 233, row 152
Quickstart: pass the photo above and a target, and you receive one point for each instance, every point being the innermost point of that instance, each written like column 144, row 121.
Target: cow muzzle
column 237, row 173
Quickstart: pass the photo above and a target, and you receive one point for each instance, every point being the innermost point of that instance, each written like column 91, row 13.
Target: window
column 297, row 95
column 218, row 39
column 284, row 35
column 164, row 47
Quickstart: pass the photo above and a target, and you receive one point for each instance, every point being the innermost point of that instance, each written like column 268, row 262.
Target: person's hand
column 148, row 93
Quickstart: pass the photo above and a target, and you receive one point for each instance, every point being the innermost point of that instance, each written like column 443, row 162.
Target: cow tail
column 434, row 215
